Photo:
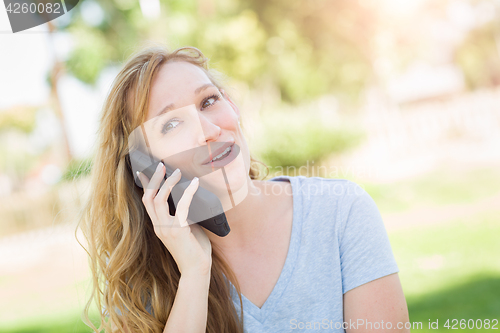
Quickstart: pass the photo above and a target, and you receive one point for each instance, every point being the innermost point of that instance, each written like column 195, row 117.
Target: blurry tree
column 102, row 42
column 53, row 78
column 301, row 140
column 318, row 47
column 306, row 48
column 479, row 56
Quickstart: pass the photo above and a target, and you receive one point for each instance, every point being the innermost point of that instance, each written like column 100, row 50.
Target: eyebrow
column 171, row 105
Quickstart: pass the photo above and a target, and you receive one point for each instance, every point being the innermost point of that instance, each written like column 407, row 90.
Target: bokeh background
column 402, row 97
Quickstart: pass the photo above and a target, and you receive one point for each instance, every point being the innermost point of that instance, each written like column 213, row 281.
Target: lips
column 218, row 151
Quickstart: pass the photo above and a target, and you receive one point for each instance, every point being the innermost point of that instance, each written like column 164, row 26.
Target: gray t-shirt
column 338, row 242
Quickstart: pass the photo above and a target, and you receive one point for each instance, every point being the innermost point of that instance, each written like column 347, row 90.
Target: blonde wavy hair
column 131, row 268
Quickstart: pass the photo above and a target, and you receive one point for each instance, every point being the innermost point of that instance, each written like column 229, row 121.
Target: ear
column 230, row 101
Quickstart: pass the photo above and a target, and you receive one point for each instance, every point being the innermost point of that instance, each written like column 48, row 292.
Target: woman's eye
column 209, row 101
column 170, row 125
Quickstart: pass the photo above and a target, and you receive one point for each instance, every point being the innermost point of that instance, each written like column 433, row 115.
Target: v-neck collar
column 293, row 250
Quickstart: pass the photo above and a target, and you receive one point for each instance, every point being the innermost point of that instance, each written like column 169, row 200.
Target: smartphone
column 205, row 209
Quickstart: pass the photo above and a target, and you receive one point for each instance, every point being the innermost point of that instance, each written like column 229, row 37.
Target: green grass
column 440, row 187
column 77, row 169
column 64, row 322
column 432, row 258
column 476, row 298
column 63, row 325
column 451, row 270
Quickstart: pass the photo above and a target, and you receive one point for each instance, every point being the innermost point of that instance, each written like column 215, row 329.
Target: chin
column 236, row 174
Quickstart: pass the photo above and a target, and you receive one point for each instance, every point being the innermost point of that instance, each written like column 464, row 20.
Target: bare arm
column 189, row 311
column 380, row 300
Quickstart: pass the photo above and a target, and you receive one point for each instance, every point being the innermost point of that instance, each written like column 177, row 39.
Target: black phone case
column 205, row 207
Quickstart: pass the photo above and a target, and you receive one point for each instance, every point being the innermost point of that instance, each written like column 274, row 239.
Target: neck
column 248, row 220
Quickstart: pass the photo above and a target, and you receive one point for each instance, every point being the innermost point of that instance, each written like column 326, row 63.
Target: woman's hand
column 188, row 244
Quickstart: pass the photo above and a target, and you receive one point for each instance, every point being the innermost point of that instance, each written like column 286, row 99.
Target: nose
column 211, row 131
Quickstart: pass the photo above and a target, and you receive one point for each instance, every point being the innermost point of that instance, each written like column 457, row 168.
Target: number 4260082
column 472, row 324
column 41, row 7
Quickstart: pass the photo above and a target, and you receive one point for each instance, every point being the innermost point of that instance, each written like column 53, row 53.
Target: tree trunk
column 55, row 73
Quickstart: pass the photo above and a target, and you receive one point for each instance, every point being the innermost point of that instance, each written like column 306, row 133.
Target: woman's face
column 189, row 122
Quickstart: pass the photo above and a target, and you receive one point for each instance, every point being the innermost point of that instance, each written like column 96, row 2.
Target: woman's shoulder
column 320, row 186
column 326, row 200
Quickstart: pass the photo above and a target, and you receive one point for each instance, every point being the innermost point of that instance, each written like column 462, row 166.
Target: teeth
column 228, row 149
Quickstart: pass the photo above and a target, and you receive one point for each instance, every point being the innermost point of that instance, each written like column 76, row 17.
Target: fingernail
column 195, row 180
column 137, row 173
column 160, row 165
column 176, row 172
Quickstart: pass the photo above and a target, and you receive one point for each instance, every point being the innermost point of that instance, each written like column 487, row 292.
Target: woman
column 301, row 253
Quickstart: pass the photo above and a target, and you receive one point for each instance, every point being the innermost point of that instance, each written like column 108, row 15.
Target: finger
column 154, row 183
column 144, row 181
column 166, row 188
column 161, row 203
column 185, row 201
column 147, row 203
